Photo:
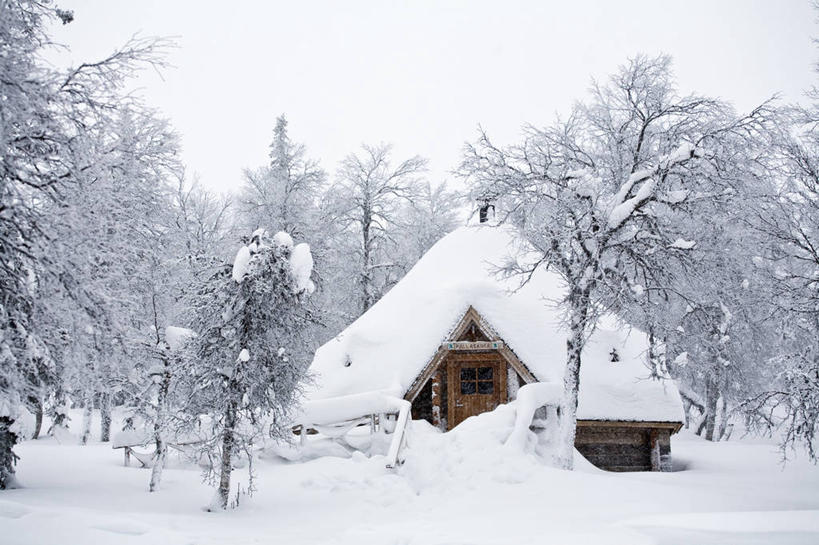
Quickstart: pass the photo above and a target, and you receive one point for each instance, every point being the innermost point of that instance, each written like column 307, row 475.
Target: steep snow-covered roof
column 389, row 345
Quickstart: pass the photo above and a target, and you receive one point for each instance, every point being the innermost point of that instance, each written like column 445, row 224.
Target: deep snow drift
column 463, row 487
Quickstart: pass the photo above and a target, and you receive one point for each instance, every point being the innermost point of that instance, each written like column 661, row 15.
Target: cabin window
column 478, row 380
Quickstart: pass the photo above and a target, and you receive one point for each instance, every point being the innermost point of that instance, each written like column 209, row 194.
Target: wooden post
column 654, row 444
column 437, row 378
column 127, row 451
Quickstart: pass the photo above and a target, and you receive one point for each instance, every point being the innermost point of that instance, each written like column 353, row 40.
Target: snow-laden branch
column 625, row 206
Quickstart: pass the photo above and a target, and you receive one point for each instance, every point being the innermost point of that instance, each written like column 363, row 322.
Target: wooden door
column 476, row 383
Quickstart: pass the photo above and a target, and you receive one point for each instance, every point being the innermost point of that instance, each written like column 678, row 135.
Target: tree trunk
column 512, row 384
column 159, row 460
column 38, row 418
column 86, row 419
column 723, row 421
column 58, row 411
column 227, row 453
column 366, row 276
column 711, row 398
column 654, row 355
column 571, row 380
column 686, row 410
column 105, row 417
column 688, row 404
column 159, row 433
column 701, row 427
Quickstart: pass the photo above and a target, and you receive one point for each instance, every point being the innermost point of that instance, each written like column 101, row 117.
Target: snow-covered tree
column 591, row 193
column 187, row 242
column 432, row 213
column 203, row 221
column 282, row 195
column 49, row 124
column 707, row 313
column 114, row 232
column 366, row 201
column 250, row 355
column 31, row 142
column 416, row 225
column 788, row 217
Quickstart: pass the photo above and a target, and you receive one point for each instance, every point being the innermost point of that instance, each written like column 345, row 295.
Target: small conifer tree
column 249, row 357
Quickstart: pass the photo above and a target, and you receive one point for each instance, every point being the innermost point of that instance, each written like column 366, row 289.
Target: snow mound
column 475, row 453
column 344, row 408
column 176, row 337
column 301, row 263
column 530, row 398
column 682, row 244
column 131, row 438
column 283, row 239
column 240, row 263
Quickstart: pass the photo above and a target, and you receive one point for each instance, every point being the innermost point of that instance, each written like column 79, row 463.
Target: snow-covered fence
column 530, row 398
column 128, row 439
column 336, row 416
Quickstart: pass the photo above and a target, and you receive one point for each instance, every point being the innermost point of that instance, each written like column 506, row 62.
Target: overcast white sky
column 424, row 74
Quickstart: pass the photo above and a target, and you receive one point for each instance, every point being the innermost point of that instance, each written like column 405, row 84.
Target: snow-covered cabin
column 456, row 339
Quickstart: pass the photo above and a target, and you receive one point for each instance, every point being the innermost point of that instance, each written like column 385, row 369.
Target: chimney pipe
column 484, row 211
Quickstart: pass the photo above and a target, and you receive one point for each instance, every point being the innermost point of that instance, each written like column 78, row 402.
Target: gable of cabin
column 474, row 371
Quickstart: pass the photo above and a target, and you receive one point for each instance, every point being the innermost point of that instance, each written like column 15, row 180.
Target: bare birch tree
column 367, row 196
column 591, row 193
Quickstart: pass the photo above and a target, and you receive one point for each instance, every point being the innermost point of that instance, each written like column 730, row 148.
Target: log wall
column 629, row 446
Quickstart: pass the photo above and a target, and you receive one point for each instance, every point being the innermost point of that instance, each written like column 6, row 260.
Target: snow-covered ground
column 463, row 487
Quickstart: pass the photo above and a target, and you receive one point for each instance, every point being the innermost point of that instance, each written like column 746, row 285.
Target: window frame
column 481, row 381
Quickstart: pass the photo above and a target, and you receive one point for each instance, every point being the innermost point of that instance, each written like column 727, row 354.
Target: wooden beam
column 673, row 426
column 425, row 375
column 512, row 359
column 437, row 378
column 471, row 315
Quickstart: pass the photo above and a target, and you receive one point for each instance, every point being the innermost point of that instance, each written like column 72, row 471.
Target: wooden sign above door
column 472, row 345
